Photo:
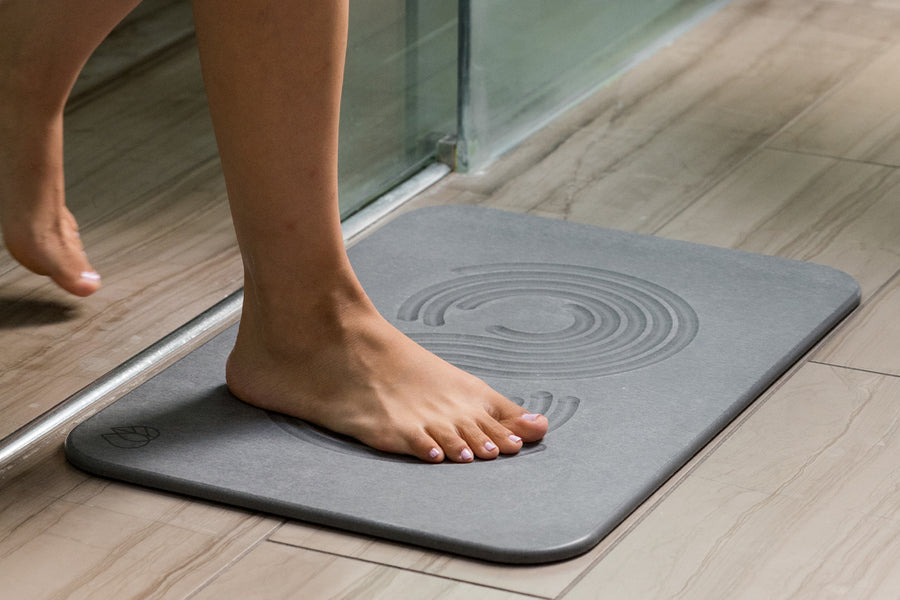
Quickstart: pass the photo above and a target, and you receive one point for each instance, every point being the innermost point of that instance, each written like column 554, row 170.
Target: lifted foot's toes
column 85, row 284
column 54, row 250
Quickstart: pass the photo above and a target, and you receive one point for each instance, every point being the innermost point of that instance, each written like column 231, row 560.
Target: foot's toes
column 480, row 443
column 70, row 270
column 530, row 427
column 403, row 440
column 57, row 254
column 423, row 446
column 76, row 281
column 506, row 441
column 73, row 272
column 455, row 448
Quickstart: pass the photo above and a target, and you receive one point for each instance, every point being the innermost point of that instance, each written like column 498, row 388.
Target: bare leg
column 310, row 342
column 43, row 47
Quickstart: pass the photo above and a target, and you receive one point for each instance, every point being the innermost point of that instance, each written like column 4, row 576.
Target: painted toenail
column 90, row 275
column 530, row 417
column 434, row 453
column 515, row 439
column 466, row 454
column 490, row 446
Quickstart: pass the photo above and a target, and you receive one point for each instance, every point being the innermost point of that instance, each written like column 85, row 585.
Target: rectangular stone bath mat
column 638, row 349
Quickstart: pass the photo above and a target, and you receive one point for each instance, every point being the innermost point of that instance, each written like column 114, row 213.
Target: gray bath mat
column 638, row 349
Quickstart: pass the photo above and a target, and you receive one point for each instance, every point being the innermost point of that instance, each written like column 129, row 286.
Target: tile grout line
column 832, row 157
column 857, row 369
column 856, row 68
column 236, row 559
column 408, row 570
column 847, row 321
column 765, row 144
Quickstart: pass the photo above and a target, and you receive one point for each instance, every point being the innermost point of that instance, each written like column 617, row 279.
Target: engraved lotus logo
column 131, row 437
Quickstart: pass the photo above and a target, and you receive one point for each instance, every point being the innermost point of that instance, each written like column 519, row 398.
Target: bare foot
column 352, row 372
column 38, row 229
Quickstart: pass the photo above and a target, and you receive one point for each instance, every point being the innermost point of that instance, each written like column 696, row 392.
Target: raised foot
column 52, row 248
column 367, row 380
column 38, row 229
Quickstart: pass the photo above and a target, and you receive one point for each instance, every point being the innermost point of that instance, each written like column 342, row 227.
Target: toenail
column 90, row 275
column 530, row 417
column 515, row 439
column 434, row 453
column 466, row 454
column 490, row 446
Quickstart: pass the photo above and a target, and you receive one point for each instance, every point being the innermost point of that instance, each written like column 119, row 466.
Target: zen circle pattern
column 618, row 322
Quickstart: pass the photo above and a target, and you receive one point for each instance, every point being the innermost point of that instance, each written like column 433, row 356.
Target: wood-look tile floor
column 769, row 127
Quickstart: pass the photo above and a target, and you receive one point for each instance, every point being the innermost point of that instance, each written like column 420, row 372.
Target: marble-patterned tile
column 875, row 19
column 168, row 562
column 69, row 550
column 28, row 496
column 872, row 340
column 882, row 4
column 541, row 580
column 859, row 121
column 799, row 502
column 188, row 513
column 277, row 571
column 64, row 534
column 829, row 437
column 837, row 213
column 665, row 132
column 715, row 540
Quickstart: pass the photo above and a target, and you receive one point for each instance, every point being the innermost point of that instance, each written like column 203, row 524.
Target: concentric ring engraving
column 617, row 322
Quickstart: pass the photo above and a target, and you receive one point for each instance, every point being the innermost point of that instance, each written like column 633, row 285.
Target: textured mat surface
column 638, row 349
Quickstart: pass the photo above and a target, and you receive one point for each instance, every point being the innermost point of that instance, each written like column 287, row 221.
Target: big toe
column 531, row 427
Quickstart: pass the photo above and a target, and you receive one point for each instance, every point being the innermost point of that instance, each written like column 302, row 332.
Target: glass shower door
column 525, row 61
column 399, row 93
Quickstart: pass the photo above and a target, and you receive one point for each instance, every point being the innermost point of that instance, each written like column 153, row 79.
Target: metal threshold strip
column 18, row 443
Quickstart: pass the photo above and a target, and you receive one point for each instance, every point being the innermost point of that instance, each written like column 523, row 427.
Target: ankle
column 286, row 313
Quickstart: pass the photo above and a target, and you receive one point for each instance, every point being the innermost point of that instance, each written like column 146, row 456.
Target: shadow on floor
column 17, row 312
